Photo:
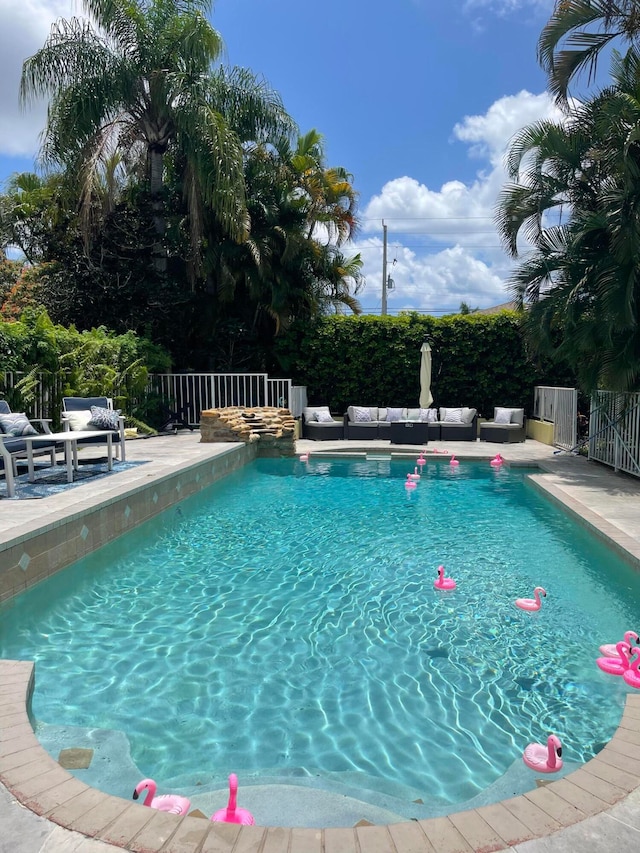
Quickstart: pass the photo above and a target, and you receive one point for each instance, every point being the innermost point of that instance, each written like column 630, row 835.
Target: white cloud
column 501, row 7
column 24, row 27
column 444, row 241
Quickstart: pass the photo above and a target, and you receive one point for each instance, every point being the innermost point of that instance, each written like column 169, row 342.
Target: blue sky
column 417, row 99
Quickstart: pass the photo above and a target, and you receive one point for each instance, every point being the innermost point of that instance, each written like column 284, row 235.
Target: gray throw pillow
column 394, row 415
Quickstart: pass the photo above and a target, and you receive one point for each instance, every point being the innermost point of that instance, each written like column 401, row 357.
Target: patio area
column 596, row 808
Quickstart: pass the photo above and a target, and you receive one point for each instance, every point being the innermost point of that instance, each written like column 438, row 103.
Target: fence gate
column 614, row 431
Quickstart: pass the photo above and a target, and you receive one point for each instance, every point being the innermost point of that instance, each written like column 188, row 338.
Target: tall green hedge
column 478, row 360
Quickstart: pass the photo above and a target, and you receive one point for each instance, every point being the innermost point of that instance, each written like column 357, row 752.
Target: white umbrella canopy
column 426, row 397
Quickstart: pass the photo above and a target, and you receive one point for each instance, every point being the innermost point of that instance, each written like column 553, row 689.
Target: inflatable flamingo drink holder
column 544, row 758
column 233, row 814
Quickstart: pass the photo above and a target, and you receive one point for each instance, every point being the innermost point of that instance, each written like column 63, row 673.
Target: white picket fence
column 614, row 431
column 558, row 406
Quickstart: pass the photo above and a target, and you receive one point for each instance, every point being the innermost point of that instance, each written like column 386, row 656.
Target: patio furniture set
column 412, row 426
column 85, row 420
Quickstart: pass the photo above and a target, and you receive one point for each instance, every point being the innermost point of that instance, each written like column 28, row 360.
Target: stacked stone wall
column 271, row 428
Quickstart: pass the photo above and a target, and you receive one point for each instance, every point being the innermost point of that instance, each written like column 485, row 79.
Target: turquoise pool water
column 286, row 618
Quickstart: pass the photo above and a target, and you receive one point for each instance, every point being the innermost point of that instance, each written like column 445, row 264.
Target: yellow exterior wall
column 540, row 430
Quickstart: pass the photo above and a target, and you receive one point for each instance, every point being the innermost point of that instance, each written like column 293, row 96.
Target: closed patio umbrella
column 426, row 397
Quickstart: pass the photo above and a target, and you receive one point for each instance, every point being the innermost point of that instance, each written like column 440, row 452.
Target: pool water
column 286, row 618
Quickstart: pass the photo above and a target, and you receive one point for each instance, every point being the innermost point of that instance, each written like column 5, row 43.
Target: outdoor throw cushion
column 394, row 415
column 452, row 416
column 79, row 420
column 468, row 415
column 324, row 418
column 362, row 415
column 429, row 416
column 502, row 416
column 104, row 418
column 310, row 412
column 16, row 424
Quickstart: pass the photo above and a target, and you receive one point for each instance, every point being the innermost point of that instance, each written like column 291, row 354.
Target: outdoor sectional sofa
column 507, row 426
column 444, row 424
column 318, row 425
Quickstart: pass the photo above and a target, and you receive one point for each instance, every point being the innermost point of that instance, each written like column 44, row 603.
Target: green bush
column 92, row 363
column 477, row 360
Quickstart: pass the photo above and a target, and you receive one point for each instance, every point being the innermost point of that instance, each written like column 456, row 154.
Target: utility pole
column 384, row 268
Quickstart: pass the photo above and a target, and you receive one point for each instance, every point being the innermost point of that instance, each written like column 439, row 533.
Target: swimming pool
column 186, row 635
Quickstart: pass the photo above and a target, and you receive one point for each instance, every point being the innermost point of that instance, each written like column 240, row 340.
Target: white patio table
column 70, row 439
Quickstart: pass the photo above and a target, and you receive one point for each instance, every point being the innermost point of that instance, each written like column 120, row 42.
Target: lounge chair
column 85, row 414
column 13, row 448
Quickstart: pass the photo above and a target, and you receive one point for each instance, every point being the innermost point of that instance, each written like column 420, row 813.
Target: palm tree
column 576, row 196
column 141, row 82
column 569, row 45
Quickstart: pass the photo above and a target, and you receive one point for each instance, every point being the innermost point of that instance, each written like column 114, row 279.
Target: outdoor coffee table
column 409, row 432
column 70, row 440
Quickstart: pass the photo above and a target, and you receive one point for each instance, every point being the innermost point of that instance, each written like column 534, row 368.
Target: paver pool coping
column 37, row 781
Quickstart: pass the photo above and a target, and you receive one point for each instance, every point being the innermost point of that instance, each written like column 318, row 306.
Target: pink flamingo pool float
column 544, row 759
column 443, row 583
column 410, row 483
column 497, row 461
column 304, row 457
column 415, row 475
column 632, row 675
column 171, row 803
column 531, row 603
column 610, row 650
column 233, row 814
column 421, row 460
column 618, row 665
column 453, row 461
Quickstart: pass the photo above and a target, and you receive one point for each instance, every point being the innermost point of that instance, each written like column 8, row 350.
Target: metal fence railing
column 558, row 406
column 189, row 394
column 614, row 431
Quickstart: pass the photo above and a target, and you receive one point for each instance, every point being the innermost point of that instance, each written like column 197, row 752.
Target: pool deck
column 43, row 809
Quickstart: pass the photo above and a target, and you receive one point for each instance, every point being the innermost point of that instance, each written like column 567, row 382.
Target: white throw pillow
column 324, row 417
column 362, row 415
column 414, row 414
column 502, row 416
column 468, row 415
column 453, row 416
column 79, row 420
column 394, row 415
column 310, row 412
column 429, row 416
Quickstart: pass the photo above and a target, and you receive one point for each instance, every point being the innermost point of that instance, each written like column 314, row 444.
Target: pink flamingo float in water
column 415, row 475
column 304, row 457
column 531, row 603
column 497, row 461
column 610, row 650
column 409, row 483
column 632, row 675
column 443, row 583
column 544, row 759
column 618, row 665
column 421, row 460
column 233, row 814
column 453, row 461
column 171, row 803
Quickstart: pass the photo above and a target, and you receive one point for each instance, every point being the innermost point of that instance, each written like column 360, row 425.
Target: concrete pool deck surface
column 596, row 808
